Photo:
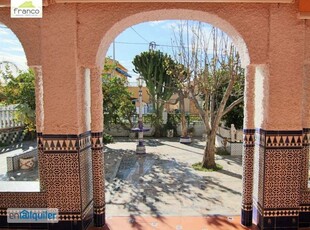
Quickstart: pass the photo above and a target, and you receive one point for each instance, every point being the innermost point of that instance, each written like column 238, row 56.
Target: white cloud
column 16, row 48
column 170, row 25
column 11, row 41
column 156, row 23
column 19, row 60
column 4, row 32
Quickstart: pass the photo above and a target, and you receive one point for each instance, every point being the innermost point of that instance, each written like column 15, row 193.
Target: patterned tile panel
column 249, row 137
column 86, row 177
column 41, row 168
column 304, row 208
column 305, row 197
column 247, row 179
column 97, row 140
column 23, row 199
column 282, row 178
column 65, row 143
column 70, row 217
column 304, row 168
column 306, row 137
column 98, row 181
column 281, row 212
column 305, row 193
column 280, row 139
column 63, row 182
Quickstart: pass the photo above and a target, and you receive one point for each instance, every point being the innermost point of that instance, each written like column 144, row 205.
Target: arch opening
column 17, row 116
column 173, row 15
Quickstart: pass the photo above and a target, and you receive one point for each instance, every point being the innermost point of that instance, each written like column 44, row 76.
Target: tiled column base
column 99, row 217
column 246, row 217
column 278, row 178
column 304, row 219
column 247, row 177
column 277, row 219
column 98, row 179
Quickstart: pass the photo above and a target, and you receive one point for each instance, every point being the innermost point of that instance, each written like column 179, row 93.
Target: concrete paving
column 18, row 175
column 160, row 183
column 163, row 183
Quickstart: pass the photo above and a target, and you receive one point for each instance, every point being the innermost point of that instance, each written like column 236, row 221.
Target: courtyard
column 159, row 183
column 163, row 183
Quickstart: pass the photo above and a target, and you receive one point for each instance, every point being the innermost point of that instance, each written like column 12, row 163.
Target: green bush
column 107, row 138
column 198, row 167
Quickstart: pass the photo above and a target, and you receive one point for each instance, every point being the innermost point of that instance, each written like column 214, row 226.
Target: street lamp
column 140, row 146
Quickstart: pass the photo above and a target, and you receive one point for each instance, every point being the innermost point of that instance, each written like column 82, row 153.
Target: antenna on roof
column 152, row 46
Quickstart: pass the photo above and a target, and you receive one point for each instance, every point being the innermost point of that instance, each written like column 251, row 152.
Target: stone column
column 39, row 120
column 248, row 147
column 97, row 147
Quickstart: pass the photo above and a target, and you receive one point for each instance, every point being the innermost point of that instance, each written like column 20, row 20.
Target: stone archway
column 213, row 19
column 66, row 42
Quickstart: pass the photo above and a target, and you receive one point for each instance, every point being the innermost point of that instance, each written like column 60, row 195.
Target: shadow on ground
column 150, row 185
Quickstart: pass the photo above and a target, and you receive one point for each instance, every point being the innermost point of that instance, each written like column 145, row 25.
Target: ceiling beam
column 6, row 3
column 214, row 1
column 304, row 6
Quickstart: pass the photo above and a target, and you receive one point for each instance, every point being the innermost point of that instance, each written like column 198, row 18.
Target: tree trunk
column 209, row 152
column 158, row 121
column 183, row 118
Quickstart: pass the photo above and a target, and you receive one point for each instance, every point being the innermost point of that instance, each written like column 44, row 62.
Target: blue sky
column 160, row 32
column 11, row 49
column 139, row 36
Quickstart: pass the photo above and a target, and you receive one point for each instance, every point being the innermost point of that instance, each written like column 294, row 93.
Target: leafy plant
column 107, row 138
column 117, row 100
column 20, row 90
column 199, row 167
column 154, row 66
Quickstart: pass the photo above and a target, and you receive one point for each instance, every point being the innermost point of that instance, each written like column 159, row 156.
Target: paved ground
column 162, row 183
column 19, row 175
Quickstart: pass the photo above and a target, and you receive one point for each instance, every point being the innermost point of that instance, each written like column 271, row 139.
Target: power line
column 137, row 43
column 139, row 34
column 132, row 43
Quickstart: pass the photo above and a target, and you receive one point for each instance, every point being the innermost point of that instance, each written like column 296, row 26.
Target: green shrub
column 198, row 167
column 107, row 138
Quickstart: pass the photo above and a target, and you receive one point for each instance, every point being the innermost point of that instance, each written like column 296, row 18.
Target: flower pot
column 27, row 163
column 185, row 140
column 170, row 133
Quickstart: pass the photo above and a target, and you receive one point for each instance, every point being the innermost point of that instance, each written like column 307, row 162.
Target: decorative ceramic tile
column 62, row 182
column 65, row 143
column 304, row 208
column 280, row 212
column 247, row 179
column 282, row 178
column 98, row 179
column 249, row 137
column 97, row 140
column 86, row 177
column 23, row 199
column 280, row 139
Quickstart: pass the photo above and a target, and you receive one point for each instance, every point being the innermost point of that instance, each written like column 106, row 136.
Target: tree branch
column 232, row 105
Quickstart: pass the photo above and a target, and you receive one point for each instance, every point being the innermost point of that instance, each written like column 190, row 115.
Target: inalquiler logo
column 32, row 215
column 26, row 9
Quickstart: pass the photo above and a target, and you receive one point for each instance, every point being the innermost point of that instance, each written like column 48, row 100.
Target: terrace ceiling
column 7, row 2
